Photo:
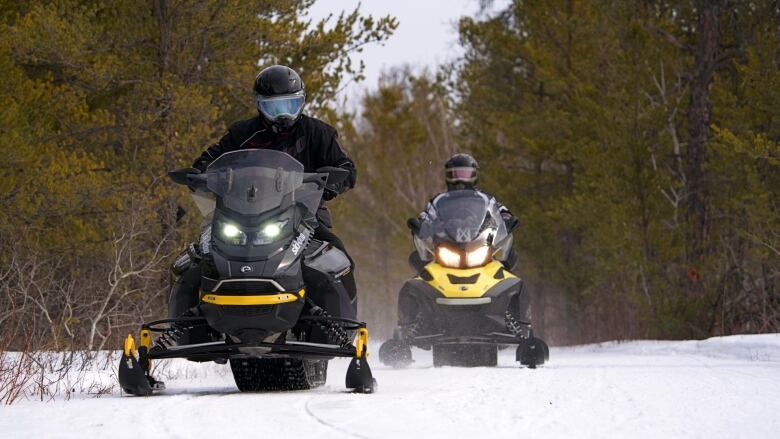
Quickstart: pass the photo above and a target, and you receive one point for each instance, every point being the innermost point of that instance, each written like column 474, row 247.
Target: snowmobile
column 464, row 304
column 270, row 302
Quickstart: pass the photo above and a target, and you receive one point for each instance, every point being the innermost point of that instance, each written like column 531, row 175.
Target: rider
column 281, row 125
column 461, row 172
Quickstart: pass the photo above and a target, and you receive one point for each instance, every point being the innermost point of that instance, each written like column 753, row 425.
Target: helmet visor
column 461, row 175
column 276, row 106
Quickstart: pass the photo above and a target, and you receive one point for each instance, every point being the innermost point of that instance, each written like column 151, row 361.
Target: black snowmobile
column 271, row 301
column 464, row 304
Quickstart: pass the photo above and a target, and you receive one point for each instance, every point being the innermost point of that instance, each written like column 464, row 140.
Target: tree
column 598, row 118
column 104, row 98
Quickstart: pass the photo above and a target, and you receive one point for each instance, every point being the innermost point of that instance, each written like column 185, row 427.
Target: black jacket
column 311, row 141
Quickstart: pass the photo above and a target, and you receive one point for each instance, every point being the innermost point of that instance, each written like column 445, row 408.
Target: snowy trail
column 723, row 387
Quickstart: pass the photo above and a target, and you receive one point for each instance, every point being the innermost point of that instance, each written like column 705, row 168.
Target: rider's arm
column 226, row 143
column 504, row 211
column 426, row 214
column 430, row 212
column 509, row 218
column 332, row 154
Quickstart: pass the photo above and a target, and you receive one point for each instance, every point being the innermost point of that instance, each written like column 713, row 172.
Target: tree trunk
column 164, row 16
column 699, row 119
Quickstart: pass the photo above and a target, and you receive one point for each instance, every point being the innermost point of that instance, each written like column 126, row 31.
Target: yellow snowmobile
column 465, row 303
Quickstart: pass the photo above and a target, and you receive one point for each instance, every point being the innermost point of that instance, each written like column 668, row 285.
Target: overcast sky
column 426, row 33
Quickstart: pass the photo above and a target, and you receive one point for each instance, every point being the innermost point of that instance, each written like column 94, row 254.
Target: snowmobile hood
column 465, row 282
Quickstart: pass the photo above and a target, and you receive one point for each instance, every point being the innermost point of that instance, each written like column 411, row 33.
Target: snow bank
column 756, row 347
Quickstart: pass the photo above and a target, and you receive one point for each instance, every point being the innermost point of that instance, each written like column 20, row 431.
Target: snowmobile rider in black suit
column 280, row 97
column 461, row 172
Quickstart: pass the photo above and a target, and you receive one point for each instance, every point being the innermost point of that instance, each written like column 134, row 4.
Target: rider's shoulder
column 437, row 197
column 314, row 125
column 246, row 126
column 484, row 194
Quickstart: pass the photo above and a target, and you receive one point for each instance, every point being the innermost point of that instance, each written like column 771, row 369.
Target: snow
column 727, row 387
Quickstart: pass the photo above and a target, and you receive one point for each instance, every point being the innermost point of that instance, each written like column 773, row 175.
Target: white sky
column 426, row 35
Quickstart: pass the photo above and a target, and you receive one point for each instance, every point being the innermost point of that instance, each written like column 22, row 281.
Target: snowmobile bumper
column 498, row 338
column 135, row 365
column 531, row 351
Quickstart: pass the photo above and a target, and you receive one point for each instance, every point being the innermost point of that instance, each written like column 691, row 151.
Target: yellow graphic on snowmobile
column 465, row 282
column 267, row 299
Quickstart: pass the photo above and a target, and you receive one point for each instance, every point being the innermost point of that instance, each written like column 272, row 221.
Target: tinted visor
column 273, row 107
column 458, row 175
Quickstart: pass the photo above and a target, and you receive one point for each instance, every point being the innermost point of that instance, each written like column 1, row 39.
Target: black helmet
column 279, row 96
column 461, row 172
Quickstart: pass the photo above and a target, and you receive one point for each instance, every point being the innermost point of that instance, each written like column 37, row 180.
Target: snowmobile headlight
column 477, row 257
column 230, row 231
column 269, row 232
column 447, row 257
column 272, row 230
column 231, row 234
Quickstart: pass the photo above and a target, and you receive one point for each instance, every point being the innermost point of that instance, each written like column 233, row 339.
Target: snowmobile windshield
column 255, row 181
column 460, row 215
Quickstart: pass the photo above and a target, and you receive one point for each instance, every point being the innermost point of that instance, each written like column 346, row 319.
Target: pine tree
column 103, row 98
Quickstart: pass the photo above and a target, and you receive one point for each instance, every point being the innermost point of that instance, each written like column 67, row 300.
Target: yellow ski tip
column 362, row 343
column 129, row 345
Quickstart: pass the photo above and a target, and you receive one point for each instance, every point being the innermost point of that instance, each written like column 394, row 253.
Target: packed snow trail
column 718, row 388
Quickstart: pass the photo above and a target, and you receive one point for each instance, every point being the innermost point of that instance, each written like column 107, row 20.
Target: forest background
column 638, row 142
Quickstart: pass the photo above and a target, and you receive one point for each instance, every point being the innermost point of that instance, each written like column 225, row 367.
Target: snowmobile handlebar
column 187, row 176
column 414, row 224
column 193, row 177
column 512, row 224
column 334, row 174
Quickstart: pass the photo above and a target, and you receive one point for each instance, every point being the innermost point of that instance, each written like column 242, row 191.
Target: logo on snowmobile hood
column 463, row 235
column 298, row 244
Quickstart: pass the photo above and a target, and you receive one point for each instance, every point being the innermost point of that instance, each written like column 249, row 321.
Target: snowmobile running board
column 136, row 363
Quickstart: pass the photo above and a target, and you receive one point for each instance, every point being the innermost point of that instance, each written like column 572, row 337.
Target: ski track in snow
column 726, row 387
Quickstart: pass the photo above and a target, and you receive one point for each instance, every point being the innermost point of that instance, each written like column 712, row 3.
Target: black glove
column 414, row 224
column 329, row 193
column 511, row 223
column 337, row 178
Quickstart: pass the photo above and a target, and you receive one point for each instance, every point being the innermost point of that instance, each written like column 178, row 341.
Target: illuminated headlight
column 272, row 230
column 269, row 232
column 448, row 257
column 477, row 257
column 232, row 234
column 230, row 231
